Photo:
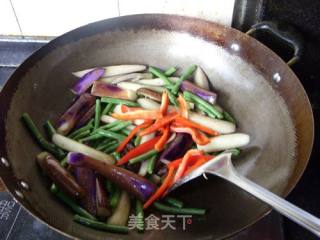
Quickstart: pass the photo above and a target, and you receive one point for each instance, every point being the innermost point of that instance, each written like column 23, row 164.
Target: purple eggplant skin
column 87, row 179
column 85, row 118
column 70, row 118
column 177, row 148
column 102, row 203
column 206, row 95
column 85, row 82
column 134, row 184
column 60, row 176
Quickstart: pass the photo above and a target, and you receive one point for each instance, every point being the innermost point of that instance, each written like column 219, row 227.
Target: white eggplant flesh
column 200, row 79
column 73, row 146
column 221, row 126
column 126, row 77
column 114, row 70
column 135, row 86
column 148, row 104
column 156, row 81
column 107, row 119
column 224, row 142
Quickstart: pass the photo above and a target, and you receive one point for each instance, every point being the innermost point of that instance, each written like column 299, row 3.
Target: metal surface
column 245, row 82
column 222, row 166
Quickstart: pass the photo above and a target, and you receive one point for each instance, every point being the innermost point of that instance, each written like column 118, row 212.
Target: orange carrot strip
column 160, row 123
column 183, row 107
column 198, row 163
column 162, row 141
column 198, row 137
column 131, row 135
column 164, row 186
column 175, row 163
column 185, row 162
column 164, row 103
column 188, row 123
column 139, row 114
column 125, row 108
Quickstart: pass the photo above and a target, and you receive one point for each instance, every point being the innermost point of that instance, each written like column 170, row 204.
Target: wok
column 253, row 83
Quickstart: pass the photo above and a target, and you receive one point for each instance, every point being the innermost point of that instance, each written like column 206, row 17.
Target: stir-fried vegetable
column 154, row 141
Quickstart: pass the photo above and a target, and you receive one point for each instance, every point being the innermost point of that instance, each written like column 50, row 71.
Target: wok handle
column 284, row 32
column 284, row 207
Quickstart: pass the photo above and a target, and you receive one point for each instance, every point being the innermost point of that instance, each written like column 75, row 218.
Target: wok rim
column 60, row 40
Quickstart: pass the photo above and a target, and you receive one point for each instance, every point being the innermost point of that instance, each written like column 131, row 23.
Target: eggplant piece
column 102, row 202
column 85, row 118
column 87, row 179
column 206, row 95
column 145, row 92
column 114, row 70
column 102, row 89
column 121, row 213
column 200, row 79
column 131, row 76
column 134, row 184
column 71, row 145
column 136, row 86
column 70, row 118
column 224, row 142
column 157, row 81
column 59, row 175
column 178, row 147
column 87, row 80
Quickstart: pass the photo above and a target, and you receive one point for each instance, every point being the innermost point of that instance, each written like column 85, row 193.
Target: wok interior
column 260, row 111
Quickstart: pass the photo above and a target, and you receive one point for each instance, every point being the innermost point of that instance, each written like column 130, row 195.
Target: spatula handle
column 284, row 207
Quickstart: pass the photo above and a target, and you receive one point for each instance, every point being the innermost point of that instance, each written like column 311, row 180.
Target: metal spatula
column 222, row 166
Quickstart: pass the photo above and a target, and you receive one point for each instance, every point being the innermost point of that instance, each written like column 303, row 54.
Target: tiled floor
column 52, row 18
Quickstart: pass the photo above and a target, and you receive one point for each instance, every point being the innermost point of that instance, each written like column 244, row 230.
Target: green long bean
column 174, row 202
column 172, row 98
column 116, row 155
column 40, row 139
column 143, row 157
column 183, row 77
column 107, row 109
column 86, row 127
column 111, row 125
column 170, row 71
column 120, row 126
column 68, row 201
column 161, row 75
column 175, row 210
column 119, row 101
column 49, row 128
column 105, row 143
column 93, row 136
column 228, row 117
column 199, row 101
column 100, row 225
column 137, row 141
column 115, row 196
column 139, row 216
column 125, row 131
column 151, row 164
column 82, row 135
column 97, row 114
column 111, row 148
column 110, row 134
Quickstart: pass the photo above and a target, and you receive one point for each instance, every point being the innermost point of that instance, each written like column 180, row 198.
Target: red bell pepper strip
column 198, row 163
column 183, row 106
column 143, row 148
column 164, row 138
column 131, row 135
column 138, row 114
column 185, row 162
column 188, row 123
column 159, row 123
column 125, row 108
column 162, row 189
column 198, row 137
column 164, row 103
